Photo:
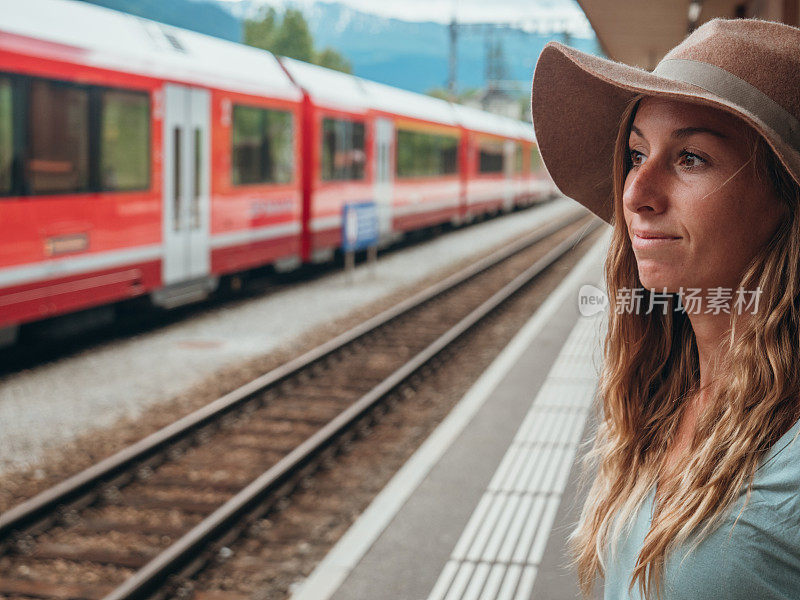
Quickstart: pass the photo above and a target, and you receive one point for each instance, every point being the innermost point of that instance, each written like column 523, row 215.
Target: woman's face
column 694, row 216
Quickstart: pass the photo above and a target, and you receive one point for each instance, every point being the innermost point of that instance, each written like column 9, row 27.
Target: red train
column 141, row 159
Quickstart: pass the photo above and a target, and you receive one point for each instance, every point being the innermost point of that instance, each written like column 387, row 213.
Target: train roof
column 112, row 39
column 342, row 90
column 409, row 104
column 526, row 131
column 327, row 86
column 485, row 122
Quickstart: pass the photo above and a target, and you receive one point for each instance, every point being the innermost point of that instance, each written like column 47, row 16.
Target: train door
column 186, row 183
column 384, row 143
column 508, row 175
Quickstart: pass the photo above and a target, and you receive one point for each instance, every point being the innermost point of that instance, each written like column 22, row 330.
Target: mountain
column 405, row 54
column 415, row 55
column 211, row 18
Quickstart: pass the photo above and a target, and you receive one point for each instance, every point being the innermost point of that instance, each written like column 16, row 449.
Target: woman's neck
column 711, row 334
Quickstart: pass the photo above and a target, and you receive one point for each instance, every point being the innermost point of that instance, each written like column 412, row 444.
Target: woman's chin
column 658, row 280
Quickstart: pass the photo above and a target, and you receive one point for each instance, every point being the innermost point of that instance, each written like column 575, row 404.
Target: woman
column 697, row 167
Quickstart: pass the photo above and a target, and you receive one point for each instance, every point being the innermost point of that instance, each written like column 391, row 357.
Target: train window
column 517, row 158
column 422, row 154
column 536, row 159
column 490, row 157
column 263, row 150
column 343, row 154
column 124, row 140
column 58, row 138
column 6, row 136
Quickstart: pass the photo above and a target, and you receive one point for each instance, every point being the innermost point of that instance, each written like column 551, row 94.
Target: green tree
column 261, row 31
column 331, row 59
column 293, row 39
column 441, row 93
column 459, row 98
column 290, row 37
column 525, row 109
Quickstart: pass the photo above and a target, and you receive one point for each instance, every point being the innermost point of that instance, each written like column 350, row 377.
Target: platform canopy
column 640, row 33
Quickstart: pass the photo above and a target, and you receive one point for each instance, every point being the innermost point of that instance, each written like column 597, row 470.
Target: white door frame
column 509, row 148
column 384, row 174
column 186, row 194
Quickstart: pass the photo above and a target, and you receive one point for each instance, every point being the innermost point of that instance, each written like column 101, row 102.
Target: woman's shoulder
column 753, row 553
column 777, row 479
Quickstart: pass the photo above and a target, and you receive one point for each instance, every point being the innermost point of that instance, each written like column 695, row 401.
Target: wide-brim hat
column 747, row 67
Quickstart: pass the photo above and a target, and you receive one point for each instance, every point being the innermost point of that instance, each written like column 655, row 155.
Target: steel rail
column 185, row 550
column 78, row 487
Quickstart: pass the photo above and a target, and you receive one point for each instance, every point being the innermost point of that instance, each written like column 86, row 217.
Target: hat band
column 729, row 87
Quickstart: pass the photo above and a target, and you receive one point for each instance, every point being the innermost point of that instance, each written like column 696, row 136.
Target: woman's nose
column 645, row 187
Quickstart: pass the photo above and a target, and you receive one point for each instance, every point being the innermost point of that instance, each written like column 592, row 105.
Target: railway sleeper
column 100, row 525
column 219, row 595
column 316, row 415
column 202, row 460
column 263, row 444
column 361, row 381
column 211, row 472
column 54, row 591
column 68, row 552
column 323, row 391
column 318, row 396
column 185, row 483
column 196, row 506
column 272, row 427
column 280, row 432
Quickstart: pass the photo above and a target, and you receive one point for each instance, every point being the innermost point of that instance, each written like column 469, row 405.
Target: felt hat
column 747, row 67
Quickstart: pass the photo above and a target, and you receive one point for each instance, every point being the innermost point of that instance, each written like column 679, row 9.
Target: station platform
column 482, row 510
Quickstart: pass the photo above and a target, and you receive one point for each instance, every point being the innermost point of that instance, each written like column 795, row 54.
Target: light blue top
column 758, row 560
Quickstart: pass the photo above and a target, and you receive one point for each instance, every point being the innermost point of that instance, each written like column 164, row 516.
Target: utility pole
column 451, row 79
column 496, row 66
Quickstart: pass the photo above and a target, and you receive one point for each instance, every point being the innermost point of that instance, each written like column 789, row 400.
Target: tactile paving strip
column 499, row 551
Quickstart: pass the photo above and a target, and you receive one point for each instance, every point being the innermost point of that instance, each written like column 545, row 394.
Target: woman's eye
column 688, row 160
column 691, row 160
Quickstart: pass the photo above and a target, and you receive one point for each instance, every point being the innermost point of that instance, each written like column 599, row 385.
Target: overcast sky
column 530, row 14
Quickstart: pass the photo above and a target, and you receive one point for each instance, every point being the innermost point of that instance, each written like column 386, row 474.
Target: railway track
column 141, row 520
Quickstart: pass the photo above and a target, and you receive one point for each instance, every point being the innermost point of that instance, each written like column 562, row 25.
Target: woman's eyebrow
column 685, row 132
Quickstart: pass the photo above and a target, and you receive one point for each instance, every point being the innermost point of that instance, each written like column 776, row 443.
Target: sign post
column 359, row 231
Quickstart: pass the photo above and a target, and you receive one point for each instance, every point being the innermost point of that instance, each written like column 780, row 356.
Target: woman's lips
column 644, row 240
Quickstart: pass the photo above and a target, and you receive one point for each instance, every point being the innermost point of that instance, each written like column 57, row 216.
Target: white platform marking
column 516, row 513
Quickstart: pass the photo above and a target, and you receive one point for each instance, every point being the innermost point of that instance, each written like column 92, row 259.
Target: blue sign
column 359, row 225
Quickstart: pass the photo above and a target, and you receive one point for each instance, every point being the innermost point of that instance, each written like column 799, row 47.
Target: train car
column 537, row 185
column 522, row 173
column 420, row 170
column 115, row 134
column 491, row 142
column 339, row 155
column 139, row 159
column 531, row 182
column 369, row 142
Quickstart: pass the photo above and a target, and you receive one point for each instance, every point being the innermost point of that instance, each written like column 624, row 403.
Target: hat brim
column 577, row 102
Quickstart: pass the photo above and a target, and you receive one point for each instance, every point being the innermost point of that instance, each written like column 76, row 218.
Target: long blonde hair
column 651, row 368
